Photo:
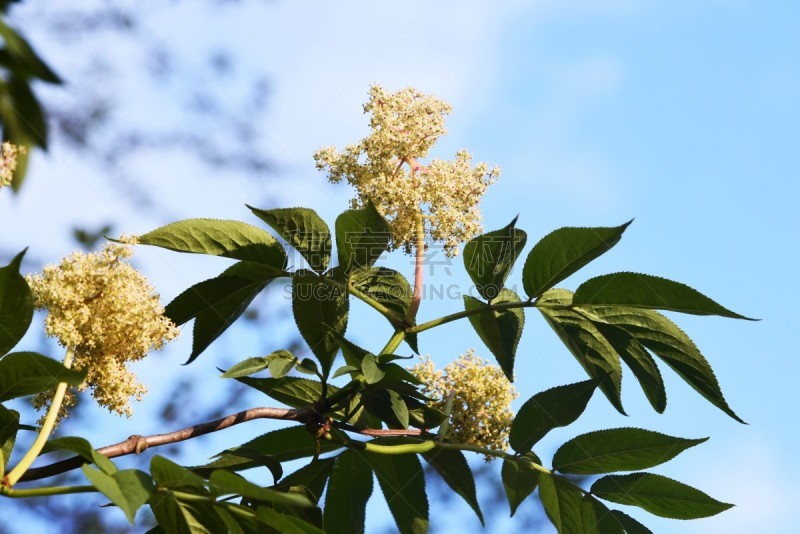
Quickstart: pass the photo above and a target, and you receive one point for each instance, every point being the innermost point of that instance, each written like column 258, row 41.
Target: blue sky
column 684, row 115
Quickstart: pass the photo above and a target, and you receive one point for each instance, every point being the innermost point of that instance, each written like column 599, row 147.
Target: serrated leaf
column 362, row 235
column 304, row 230
column 320, row 308
column 386, row 286
column 168, row 474
column 307, row 366
column 209, row 296
column 618, row 449
column 286, row 444
column 243, row 459
column 313, row 476
column 631, row 525
column 658, row 495
column 638, row 290
column 16, row 305
column 598, row 519
column 490, row 257
column 129, row 489
column 452, row 466
column 29, row 373
column 519, row 479
column 292, row 391
column 372, row 372
column 639, row 361
column 597, row 357
column 225, row 483
column 388, row 406
column 561, row 253
column 82, row 448
column 403, row 484
column 562, row 502
column 349, row 489
column 9, row 425
column 254, row 365
column 556, row 407
column 501, row 330
column 285, row 524
column 231, row 239
column 666, row 340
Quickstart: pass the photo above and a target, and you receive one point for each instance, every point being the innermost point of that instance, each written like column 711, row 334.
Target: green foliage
column 608, row 321
column 658, row 495
column 618, row 449
column 29, row 373
column 490, row 257
column 16, row 305
column 500, row 330
column 562, row 253
column 556, row 407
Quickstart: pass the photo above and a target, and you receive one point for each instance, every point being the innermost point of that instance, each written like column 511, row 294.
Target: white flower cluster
column 108, row 314
column 9, row 154
column 481, row 411
column 385, row 168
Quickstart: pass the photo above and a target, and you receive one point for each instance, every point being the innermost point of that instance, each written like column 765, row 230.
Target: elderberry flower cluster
column 385, row 168
column 481, row 411
column 9, row 155
column 108, row 314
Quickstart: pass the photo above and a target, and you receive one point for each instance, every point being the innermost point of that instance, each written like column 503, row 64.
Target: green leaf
column 82, row 448
column 307, row 366
column 21, row 58
column 386, row 286
column 243, row 459
column 585, row 342
column 667, row 341
column 210, row 296
column 9, row 425
column 631, row 525
column 500, row 331
column 519, row 479
column 279, row 363
column 285, row 524
column 320, row 309
column 230, row 239
column 638, row 290
column 168, row 474
column 28, row 373
column 562, row 502
column 452, row 466
column 490, row 257
column 403, row 485
column 618, row 449
column 293, row 391
column 556, row 407
column 563, row 252
column 658, row 495
column 129, row 489
column 31, row 128
column 361, row 237
column 185, row 517
column 304, row 230
column 16, row 305
column 598, row 519
column 313, row 477
column 639, row 361
column 423, row 416
column 372, row 372
column 388, row 406
column 349, row 490
column 225, row 483
column 215, row 304
column 286, row 444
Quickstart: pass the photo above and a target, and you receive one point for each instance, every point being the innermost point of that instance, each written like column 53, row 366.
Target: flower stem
column 47, row 427
column 394, row 342
column 418, row 269
column 44, row 492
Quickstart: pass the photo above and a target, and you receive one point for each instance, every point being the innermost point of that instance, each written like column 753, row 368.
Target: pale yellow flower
column 482, row 395
column 9, row 154
column 109, row 314
column 385, row 168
